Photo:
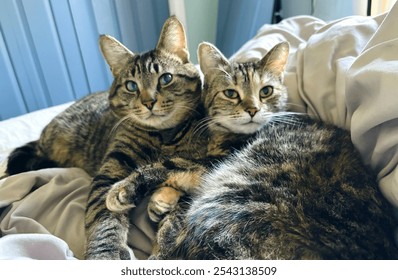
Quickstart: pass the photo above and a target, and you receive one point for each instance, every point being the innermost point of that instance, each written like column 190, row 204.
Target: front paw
column 162, row 202
column 118, row 198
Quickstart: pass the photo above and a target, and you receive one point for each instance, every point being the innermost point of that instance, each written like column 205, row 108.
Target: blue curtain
column 238, row 21
column 49, row 48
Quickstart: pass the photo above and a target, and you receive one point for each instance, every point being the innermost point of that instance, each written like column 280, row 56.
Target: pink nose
column 252, row 111
column 149, row 103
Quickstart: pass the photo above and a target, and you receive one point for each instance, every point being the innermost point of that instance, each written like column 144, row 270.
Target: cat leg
column 121, row 195
column 106, row 231
column 119, row 198
column 169, row 234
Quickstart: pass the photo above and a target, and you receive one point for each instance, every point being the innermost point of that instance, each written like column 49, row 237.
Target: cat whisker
column 286, row 117
column 115, row 127
column 200, row 128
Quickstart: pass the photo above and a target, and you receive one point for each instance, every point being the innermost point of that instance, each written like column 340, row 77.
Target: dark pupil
column 230, row 93
column 266, row 91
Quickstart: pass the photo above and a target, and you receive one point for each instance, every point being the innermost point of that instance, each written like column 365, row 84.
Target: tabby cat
column 297, row 190
column 146, row 114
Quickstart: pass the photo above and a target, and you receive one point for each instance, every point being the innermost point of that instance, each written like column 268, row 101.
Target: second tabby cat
column 297, row 190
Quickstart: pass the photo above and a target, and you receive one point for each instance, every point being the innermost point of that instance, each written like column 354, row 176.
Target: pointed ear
column 173, row 39
column 275, row 60
column 210, row 58
column 115, row 53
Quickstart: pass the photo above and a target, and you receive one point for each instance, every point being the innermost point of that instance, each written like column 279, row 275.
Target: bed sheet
column 344, row 72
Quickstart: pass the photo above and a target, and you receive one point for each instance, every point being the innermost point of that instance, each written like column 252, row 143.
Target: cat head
column 242, row 97
column 157, row 89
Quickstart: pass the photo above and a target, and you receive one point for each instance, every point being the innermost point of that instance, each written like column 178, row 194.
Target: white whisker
column 115, row 127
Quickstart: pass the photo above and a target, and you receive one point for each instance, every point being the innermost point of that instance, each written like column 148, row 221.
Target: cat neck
column 223, row 143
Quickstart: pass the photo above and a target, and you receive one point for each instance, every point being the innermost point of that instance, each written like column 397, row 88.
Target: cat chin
column 159, row 122
column 248, row 128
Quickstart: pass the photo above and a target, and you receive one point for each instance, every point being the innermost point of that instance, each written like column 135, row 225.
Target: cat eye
column 131, row 86
column 165, row 79
column 230, row 93
column 266, row 91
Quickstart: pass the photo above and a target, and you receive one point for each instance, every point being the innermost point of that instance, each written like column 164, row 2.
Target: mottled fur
column 146, row 114
column 297, row 190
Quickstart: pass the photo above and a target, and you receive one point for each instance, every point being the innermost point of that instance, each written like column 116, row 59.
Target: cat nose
column 149, row 103
column 252, row 111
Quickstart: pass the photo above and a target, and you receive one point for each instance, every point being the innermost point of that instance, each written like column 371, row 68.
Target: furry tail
column 26, row 158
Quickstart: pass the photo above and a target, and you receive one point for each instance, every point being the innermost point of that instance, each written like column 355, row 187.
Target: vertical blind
column 49, row 48
column 49, row 51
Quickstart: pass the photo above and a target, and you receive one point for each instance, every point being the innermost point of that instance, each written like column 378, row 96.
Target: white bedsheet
column 17, row 131
column 344, row 72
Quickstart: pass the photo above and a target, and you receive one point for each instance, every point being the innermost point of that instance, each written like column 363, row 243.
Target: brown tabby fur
column 297, row 190
column 147, row 114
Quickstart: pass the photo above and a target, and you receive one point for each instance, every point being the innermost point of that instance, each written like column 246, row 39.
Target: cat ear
column 173, row 39
column 210, row 58
column 275, row 60
column 115, row 53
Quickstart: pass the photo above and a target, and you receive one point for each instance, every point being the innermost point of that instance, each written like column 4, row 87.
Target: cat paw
column 162, row 202
column 117, row 199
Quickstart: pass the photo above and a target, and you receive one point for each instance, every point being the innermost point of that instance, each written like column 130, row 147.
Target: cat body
column 296, row 191
column 147, row 114
column 293, row 187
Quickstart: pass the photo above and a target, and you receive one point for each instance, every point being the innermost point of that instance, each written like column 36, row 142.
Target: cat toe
column 158, row 209
column 117, row 200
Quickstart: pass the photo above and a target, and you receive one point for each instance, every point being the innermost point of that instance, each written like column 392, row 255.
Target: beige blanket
column 52, row 201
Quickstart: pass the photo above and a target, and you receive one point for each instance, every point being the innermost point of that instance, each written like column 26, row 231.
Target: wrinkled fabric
column 52, row 201
column 35, row 247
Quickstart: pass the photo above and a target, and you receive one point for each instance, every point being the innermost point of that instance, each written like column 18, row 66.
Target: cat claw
column 117, row 199
column 157, row 210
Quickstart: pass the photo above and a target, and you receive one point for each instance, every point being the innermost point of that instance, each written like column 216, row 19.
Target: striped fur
column 229, row 121
column 296, row 189
column 146, row 114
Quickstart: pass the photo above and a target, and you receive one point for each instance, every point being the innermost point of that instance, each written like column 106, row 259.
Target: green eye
column 165, row 79
column 131, row 86
column 266, row 91
column 230, row 93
